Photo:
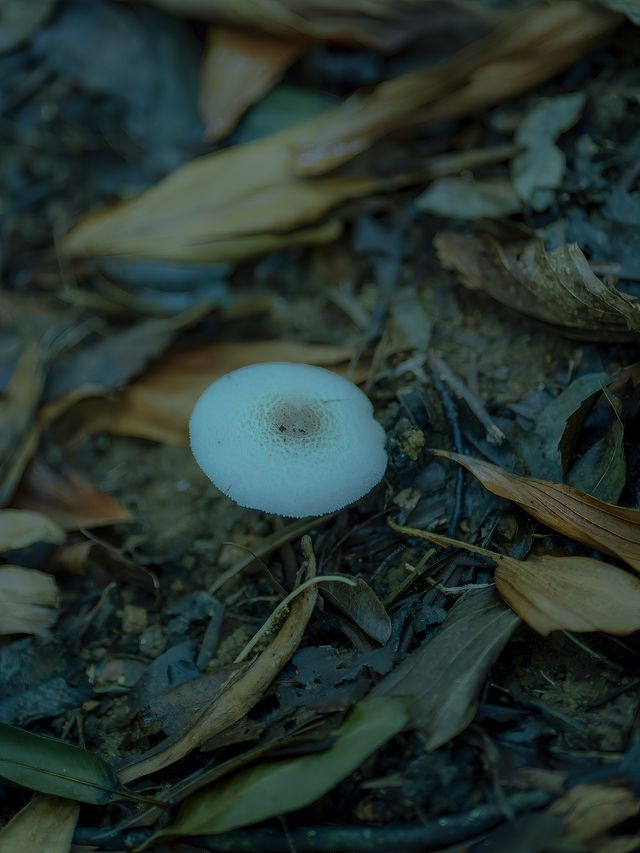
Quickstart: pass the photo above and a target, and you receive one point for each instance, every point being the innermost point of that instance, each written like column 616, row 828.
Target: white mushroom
column 289, row 439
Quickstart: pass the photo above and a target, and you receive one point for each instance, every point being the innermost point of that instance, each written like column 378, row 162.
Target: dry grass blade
column 557, row 287
column 237, row 70
column 446, row 675
column 559, row 593
column 44, row 825
column 530, row 47
column 609, row 528
column 243, row 693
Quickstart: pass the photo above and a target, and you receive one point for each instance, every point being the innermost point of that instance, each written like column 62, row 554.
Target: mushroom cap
column 288, row 439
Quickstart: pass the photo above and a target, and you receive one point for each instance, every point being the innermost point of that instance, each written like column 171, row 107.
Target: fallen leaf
column 468, row 198
column 16, row 27
column 240, row 695
column 277, row 787
column 67, row 498
column 381, row 24
column 528, row 48
column 538, row 169
column 570, row 594
column 609, row 528
column 158, row 405
column 20, row 528
column 588, row 810
column 362, row 605
column 445, row 676
column 557, row 287
column 54, row 767
column 29, row 601
column 630, row 8
column 44, row 825
column 237, row 70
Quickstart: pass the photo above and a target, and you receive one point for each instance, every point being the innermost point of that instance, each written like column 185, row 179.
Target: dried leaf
column 238, row 69
column 362, row 605
column 29, row 601
column 381, row 24
column 557, row 287
column 44, row 825
column 609, row 528
column 240, row 694
column 570, row 594
column 589, row 810
column 20, row 528
column 17, row 27
column 528, row 48
column 158, row 405
column 225, row 206
column 67, row 498
column 446, row 675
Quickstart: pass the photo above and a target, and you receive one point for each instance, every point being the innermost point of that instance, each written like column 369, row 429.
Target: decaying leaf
column 466, row 198
column 446, row 675
column 20, row 528
column 158, row 405
column 609, row 528
column 238, row 69
column 29, row 601
column 557, row 287
column 241, row 694
column 363, row 606
column 44, row 825
column 277, row 787
column 528, row 48
column 67, row 498
column 381, row 24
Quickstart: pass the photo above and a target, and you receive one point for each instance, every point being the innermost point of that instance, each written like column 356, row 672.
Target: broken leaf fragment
column 557, row 286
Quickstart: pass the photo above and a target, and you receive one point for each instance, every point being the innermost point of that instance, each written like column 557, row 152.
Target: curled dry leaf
column 381, row 24
column 445, row 676
column 528, row 48
column 157, row 406
column 29, row 601
column 238, row 69
column 557, row 287
column 20, row 528
column 609, row 528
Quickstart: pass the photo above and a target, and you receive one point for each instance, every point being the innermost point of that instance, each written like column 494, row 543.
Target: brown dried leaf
column 29, row 601
column 158, row 405
column 570, row 594
column 381, row 24
column 240, row 694
column 609, row 528
column 528, row 48
column 446, row 675
column 20, row 528
column 362, row 605
column 557, row 287
column 45, row 825
column 67, row 498
column 237, row 70
column 225, row 206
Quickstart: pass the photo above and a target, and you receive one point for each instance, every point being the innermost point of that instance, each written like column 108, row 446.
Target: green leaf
column 54, row 767
column 275, row 787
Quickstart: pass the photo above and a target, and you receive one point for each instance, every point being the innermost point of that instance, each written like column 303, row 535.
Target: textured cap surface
column 290, row 439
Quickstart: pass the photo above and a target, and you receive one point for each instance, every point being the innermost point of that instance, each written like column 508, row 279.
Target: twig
column 438, row 365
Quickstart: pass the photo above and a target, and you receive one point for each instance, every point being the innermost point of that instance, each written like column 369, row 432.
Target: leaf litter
column 183, row 646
